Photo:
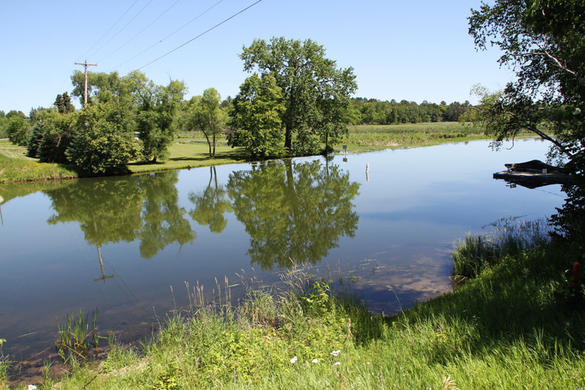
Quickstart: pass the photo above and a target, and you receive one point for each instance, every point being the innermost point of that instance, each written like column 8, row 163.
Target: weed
column 77, row 336
column 479, row 252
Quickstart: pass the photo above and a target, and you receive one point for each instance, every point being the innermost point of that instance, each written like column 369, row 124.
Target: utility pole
column 85, row 91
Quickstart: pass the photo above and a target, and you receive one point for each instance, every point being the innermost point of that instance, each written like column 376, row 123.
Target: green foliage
column 77, row 336
column 103, row 140
column 205, row 114
column 18, row 128
column 63, row 104
column 543, row 42
column 256, row 117
column 315, row 91
column 377, row 112
column 157, row 118
column 51, row 136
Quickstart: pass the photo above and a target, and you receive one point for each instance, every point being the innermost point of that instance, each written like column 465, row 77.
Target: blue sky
column 415, row 50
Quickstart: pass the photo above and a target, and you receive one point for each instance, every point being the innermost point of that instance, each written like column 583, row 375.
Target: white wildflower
column 335, row 353
column 293, row 360
column 337, row 363
column 315, row 361
column 31, row 387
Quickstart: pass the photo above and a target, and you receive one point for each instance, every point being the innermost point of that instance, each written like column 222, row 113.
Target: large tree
column 157, row 117
column 256, row 117
column 543, row 41
column 205, row 114
column 309, row 81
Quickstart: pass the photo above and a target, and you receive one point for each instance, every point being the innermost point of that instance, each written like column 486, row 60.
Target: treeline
column 379, row 112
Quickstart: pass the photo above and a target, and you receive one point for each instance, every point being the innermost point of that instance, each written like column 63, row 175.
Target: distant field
column 363, row 138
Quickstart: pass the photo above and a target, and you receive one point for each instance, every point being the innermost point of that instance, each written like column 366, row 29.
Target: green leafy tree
column 63, row 103
column 103, row 87
column 103, row 141
column 256, row 117
column 308, row 80
column 293, row 212
column 543, row 41
column 51, row 136
column 18, row 128
column 204, row 113
column 157, row 117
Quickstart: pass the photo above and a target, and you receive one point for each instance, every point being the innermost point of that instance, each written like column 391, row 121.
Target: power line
column 145, row 28
column 126, row 25
column 203, row 33
column 173, row 33
column 110, row 29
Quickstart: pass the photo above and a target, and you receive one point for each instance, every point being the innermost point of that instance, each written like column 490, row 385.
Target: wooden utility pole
column 85, row 90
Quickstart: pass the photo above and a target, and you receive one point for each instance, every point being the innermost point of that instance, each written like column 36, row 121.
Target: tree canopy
column 315, row 91
column 543, row 41
column 204, row 113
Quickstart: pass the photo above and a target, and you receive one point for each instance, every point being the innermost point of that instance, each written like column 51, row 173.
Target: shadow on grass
column 521, row 301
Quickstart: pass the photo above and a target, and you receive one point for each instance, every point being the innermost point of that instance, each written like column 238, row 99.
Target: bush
column 51, row 136
column 18, row 129
column 102, row 143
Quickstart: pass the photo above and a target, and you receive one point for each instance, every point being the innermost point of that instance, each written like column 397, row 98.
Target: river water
column 380, row 225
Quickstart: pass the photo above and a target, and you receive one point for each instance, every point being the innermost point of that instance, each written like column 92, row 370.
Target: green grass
column 192, row 153
column 511, row 327
column 364, row 138
column 16, row 167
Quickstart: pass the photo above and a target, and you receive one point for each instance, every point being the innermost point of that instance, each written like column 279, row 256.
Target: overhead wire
column 125, row 26
column 201, row 34
column 92, row 47
column 172, row 33
column 143, row 30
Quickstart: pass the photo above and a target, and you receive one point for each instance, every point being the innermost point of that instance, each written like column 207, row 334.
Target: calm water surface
column 385, row 234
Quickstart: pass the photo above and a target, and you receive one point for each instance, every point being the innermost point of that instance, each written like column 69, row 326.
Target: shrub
column 103, row 140
column 18, row 129
column 51, row 136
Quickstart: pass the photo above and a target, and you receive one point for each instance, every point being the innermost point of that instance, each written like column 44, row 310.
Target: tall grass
column 506, row 329
column 478, row 252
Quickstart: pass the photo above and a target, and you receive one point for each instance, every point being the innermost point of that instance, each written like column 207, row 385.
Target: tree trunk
column 213, row 145
column 208, row 143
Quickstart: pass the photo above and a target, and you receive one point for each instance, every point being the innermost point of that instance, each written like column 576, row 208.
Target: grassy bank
column 512, row 326
column 190, row 150
column 16, row 167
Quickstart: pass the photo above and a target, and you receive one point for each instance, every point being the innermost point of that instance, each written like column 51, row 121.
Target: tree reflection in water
column 112, row 210
column 211, row 205
column 293, row 212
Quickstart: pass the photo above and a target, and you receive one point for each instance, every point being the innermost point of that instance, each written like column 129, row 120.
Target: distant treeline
column 379, row 112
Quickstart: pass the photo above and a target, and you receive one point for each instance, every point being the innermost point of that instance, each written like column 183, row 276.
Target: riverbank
column 190, row 150
column 514, row 325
